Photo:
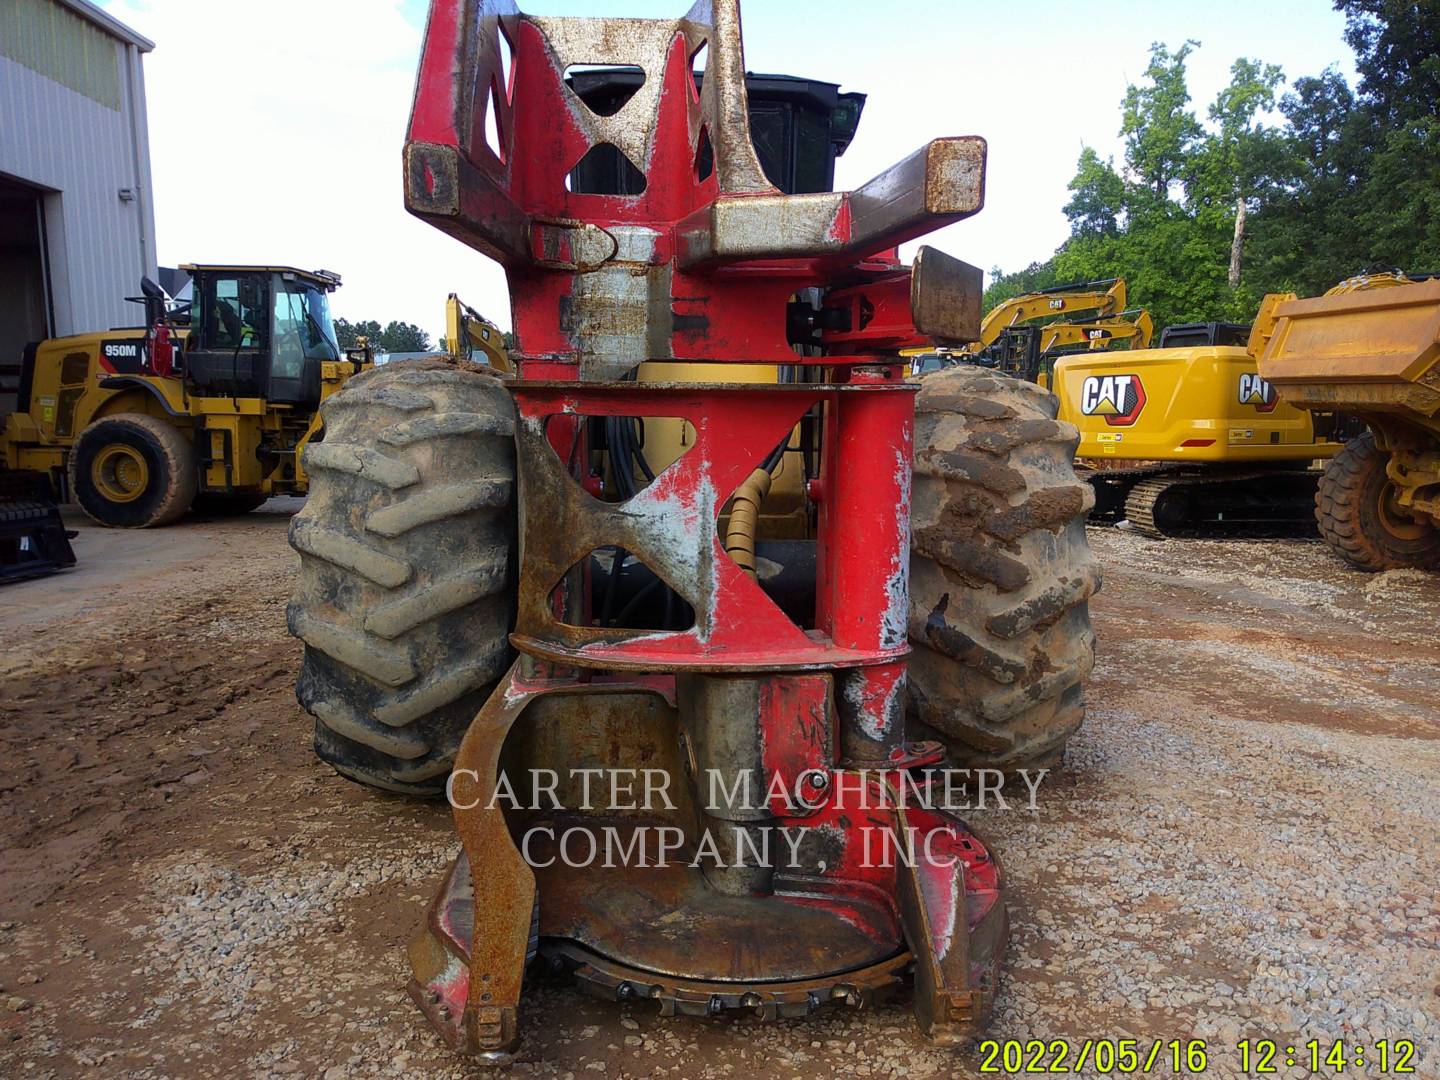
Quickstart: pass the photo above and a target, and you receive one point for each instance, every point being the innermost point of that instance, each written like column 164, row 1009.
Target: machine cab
column 260, row 331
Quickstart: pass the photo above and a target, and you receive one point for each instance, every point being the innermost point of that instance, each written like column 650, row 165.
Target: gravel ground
column 1242, row 842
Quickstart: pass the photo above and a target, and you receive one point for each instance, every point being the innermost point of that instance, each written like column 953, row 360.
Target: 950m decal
column 1118, row 398
column 123, row 357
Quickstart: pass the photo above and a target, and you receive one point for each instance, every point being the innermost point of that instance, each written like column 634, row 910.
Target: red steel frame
column 698, row 268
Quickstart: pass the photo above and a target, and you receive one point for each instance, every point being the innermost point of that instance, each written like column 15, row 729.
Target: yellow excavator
column 1101, row 297
column 1370, row 347
column 1030, row 352
column 1013, row 340
column 468, row 333
column 1135, row 327
column 206, row 406
column 1187, row 439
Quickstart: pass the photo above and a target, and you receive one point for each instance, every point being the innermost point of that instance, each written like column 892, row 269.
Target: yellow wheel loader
column 1370, row 347
column 205, row 407
column 1188, row 439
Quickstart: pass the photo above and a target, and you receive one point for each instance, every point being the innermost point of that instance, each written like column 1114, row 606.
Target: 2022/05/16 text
column 1254, row 1057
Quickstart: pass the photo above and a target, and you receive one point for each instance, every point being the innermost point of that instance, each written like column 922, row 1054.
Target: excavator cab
column 260, row 332
column 1199, row 335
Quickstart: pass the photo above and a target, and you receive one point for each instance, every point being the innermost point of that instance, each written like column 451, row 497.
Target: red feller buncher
column 682, row 541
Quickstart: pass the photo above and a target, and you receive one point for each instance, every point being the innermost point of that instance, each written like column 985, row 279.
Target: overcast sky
column 276, row 125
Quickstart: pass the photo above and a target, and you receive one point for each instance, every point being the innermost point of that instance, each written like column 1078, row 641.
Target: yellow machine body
column 467, row 333
column 239, row 379
column 70, row 392
column 1374, row 352
column 1202, row 404
column 1370, row 347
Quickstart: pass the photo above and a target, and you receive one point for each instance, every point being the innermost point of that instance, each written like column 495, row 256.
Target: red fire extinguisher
column 162, row 350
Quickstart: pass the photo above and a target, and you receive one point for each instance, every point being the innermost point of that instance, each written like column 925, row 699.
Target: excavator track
column 1256, row 505
column 1113, row 486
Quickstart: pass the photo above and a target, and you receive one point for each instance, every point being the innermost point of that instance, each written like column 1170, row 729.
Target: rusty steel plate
column 669, row 921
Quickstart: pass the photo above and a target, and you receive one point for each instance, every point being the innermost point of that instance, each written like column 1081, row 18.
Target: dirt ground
column 1242, row 843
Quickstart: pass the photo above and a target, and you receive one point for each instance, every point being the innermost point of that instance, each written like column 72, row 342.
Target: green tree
column 1097, row 205
column 1203, row 218
column 1141, row 222
column 1362, row 190
column 1307, row 238
column 347, row 332
column 403, row 337
column 394, row 336
column 1396, row 199
column 1397, row 52
column 1158, row 128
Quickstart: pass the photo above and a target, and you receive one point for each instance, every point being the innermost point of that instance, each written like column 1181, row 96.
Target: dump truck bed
column 1376, row 351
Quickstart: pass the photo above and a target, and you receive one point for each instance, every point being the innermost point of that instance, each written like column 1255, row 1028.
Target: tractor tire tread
column 404, row 599
column 178, row 475
column 1001, row 571
column 1347, row 513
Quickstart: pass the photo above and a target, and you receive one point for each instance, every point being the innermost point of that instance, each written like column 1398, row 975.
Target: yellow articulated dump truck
column 1371, row 348
column 205, row 406
column 1188, row 439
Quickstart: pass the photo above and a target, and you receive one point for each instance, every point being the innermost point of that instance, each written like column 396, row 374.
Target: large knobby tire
column 404, row 599
column 1358, row 518
column 1000, row 571
column 133, row 471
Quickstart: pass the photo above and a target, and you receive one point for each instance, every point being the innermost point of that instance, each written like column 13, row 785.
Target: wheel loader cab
column 260, row 332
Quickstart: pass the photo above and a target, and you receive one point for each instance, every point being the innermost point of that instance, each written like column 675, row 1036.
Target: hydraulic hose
column 745, row 518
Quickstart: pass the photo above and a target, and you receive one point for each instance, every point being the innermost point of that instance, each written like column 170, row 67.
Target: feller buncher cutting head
column 696, row 323
column 206, row 405
column 1370, row 347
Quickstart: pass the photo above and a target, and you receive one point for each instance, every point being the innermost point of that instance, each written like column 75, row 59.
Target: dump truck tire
column 1000, row 571
column 133, row 471
column 1352, row 510
column 404, row 599
column 217, row 505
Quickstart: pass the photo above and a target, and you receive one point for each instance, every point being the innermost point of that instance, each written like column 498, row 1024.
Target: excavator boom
column 467, row 331
column 1102, row 297
column 1135, row 327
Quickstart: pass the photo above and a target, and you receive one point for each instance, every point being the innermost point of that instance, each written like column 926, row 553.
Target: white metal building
column 77, row 221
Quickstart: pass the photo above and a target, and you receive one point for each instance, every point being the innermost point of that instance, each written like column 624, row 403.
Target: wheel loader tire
column 218, row 505
column 133, row 471
column 404, row 599
column 1357, row 517
column 1000, row 571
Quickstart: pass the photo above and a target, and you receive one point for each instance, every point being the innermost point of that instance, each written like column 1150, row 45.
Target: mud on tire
column 1000, row 571
column 133, row 471
column 1351, row 511
column 405, row 541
